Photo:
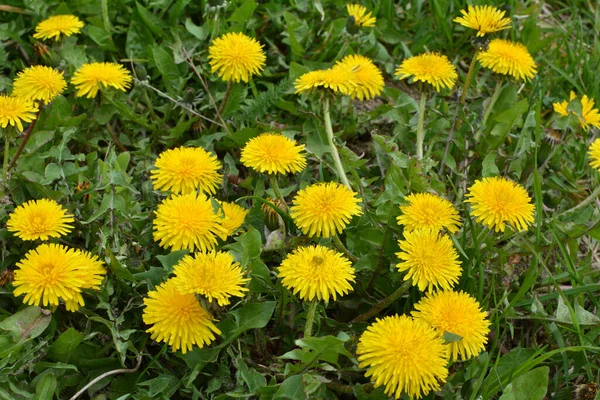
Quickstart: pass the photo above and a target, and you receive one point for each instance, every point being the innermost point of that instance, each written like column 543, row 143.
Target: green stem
column 489, row 108
column 253, row 88
column 340, row 246
column 377, row 308
column 336, row 156
column 310, row 318
column 463, row 95
column 275, row 187
column 420, row 124
column 5, row 163
column 226, row 97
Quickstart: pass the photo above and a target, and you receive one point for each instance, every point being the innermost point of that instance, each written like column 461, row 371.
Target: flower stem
column 310, row 318
column 25, row 140
column 340, row 246
column 225, row 97
column 5, row 163
column 377, row 308
column 253, row 88
column 465, row 89
column 333, row 149
column 275, row 187
column 489, row 108
column 420, row 124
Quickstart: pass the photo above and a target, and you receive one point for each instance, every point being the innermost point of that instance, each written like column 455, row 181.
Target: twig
column 115, row 138
column 26, row 138
column 106, row 374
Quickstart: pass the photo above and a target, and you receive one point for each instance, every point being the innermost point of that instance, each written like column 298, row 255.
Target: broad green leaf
column 64, row 347
column 46, row 387
column 532, row 385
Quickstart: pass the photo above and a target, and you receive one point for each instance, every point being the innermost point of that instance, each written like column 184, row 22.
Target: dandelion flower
column 457, row 313
column 16, row 110
column 403, row 354
column 324, row 209
column 484, row 19
column 367, row 77
column 426, row 210
column 317, row 272
column 188, row 221
column 340, row 79
column 39, row 83
column 497, row 201
column 273, row 153
column 432, row 68
column 178, row 319
column 90, row 272
column 429, row 259
column 88, row 78
column 561, row 108
column 186, row 169
column 232, row 216
column 52, row 272
column 361, row 16
column 309, row 81
column 235, row 57
column 214, row 275
column 39, row 219
column 58, row 25
column 594, row 154
column 508, row 58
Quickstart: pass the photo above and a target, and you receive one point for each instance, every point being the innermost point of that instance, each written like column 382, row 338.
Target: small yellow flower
column 361, row 16
column 561, row 108
column 426, row 210
column 309, row 81
column 51, row 273
column 186, row 169
column 366, row 76
column 214, row 275
column 58, row 25
column 13, row 110
column 589, row 115
column 432, row 68
column 594, row 154
column 316, row 272
column 430, row 259
column 274, row 153
column 324, row 209
column 235, row 57
column 39, row 83
column 405, row 355
column 188, row 221
column 497, row 201
column 232, row 216
column 89, row 77
column 457, row 313
column 508, row 58
column 339, row 79
column 39, row 219
column 178, row 319
column 484, row 19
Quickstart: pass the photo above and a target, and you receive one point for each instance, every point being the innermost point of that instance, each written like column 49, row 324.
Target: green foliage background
column 540, row 287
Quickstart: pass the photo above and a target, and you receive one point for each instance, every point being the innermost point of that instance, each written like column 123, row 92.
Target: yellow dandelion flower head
column 57, row 25
column 430, row 259
column 403, row 354
column 178, row 319
column 361, row 16
column 232, row 216
column 89, row 77
column 589, row 114
column 498, row 201
column 52, row 272
column 594, row 154
column 433, row 68
column 214, row 275
column 186, row 169
column 90, row 270
column 561, row 108
column 39, row 83
column 188, row 221
column 426, row 210
column 235, row 57
column 324, row 209
column 340, row 79
column 508, row 58
column 484, row 19
column 457, row 313
column 274, row 153
column 317, row 272
column 16, row 110
column 39, row 219
column 367, row 77
column 309, row 81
